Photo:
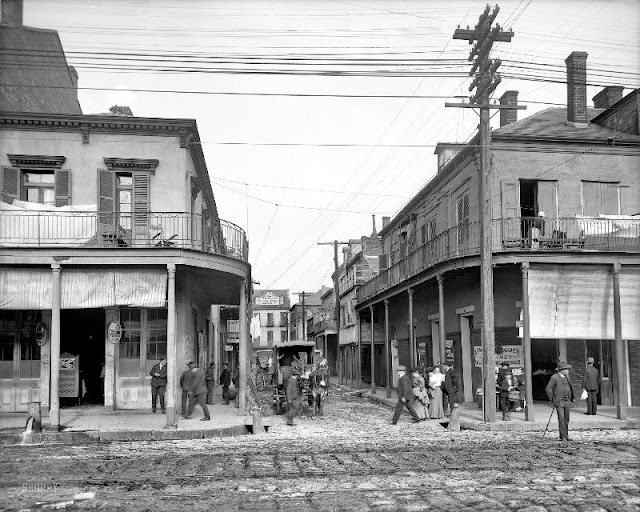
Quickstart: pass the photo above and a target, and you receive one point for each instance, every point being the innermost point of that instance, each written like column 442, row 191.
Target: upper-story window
column 600, row 198
column 462, row 217
column 124, row 202
column 37, row 179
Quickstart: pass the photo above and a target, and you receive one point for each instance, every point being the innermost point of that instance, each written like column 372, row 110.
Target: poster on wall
column 448, row 350
column 511, row 354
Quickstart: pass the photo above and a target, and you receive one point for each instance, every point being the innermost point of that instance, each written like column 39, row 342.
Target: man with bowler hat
column 591, row 383
column 406, row 397
column 560, row 393
column 158, row 384
column 225, row 382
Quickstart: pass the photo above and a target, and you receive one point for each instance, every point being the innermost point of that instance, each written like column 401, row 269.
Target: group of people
column 197, row 387
column 426, row 393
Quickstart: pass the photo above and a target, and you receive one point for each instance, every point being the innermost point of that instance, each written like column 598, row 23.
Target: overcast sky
column 341, row 103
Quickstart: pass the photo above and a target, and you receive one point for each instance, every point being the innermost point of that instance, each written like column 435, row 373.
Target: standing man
column 450, row 386
column 225, row 382
column 184, row 388
column 560, row 393
column 406, row 397
column 591, row 382
column 210, row 378
column 293, row 395
column 197, row 392
column 158, row 384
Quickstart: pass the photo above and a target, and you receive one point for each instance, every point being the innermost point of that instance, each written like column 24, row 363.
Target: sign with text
column 272, row 298
column 511, row 354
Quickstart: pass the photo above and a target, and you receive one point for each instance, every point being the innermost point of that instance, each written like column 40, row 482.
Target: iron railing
column 109, row 230
column 517, row 234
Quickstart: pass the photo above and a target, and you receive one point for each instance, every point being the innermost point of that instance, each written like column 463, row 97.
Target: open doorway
column 83, row 334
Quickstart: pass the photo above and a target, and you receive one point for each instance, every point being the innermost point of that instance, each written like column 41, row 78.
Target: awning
column 577, row 301
column 83, row 288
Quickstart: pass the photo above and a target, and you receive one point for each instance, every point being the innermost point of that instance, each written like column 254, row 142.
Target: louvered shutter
column 141, row 184
column 62, row 187
column 510, row 206
column 10, row 184
column 106, row 194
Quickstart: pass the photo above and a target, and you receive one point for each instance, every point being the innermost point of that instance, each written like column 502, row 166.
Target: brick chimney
column 375, row 231
column 11, row 12
column 508, row 116
column 608, row 96
column 577, row 89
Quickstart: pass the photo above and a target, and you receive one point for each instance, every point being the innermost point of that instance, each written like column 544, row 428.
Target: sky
column 316, row 115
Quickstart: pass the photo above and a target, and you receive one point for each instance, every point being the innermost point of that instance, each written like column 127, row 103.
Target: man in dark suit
column 406, row 397
column 591, row 382
column 293, row 395
column 560, row 393
column 184, row 388
column 158, row 384
column 197, row 391
column 210, row 378
column 451, row 385
column 225, row 382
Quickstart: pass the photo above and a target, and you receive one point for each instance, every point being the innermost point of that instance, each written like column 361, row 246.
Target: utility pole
column 485, row 81
column 304, row 316
column 336, row 294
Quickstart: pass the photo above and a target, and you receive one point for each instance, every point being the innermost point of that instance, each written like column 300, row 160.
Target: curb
column 94, row 436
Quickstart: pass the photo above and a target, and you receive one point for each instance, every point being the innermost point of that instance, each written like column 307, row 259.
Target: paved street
column 354, row 459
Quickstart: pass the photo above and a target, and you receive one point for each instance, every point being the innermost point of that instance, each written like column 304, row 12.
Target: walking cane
column 547, row 427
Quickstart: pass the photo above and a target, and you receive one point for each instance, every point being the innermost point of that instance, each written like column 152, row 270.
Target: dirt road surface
column 353, row 459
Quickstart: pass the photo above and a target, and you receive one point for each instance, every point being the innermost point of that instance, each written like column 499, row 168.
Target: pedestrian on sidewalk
column 421, row 397
column 225, row 382
column 158, row 384
column 404, row 390
column 197, row 392
column 210, row 378
column 293, row 395
column 591, row 383
column 436, row 379
column 450, row 385
column 185, row 394
column 560, row 393
column 506, row 387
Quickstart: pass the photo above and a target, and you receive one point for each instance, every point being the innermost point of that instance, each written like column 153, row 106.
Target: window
column 36, row 178
column 462, row 217
column 131, row 334
column 270, row 319
column 270, row 335
column 124, row 199
column 8, row 328
column 38, row 187
column 156, row 334
column 29, row 349
column 600, row 198
column 18, row 332
column 284, row 320
column 283, row 336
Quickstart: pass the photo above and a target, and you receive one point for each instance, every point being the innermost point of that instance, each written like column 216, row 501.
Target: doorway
column 544, row 359
column 82, row 333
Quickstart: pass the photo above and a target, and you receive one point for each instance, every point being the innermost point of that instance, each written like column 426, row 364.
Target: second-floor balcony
column 68, row 227
column 566, row 235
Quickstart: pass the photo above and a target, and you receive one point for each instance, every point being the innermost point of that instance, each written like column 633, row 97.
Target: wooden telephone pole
column 485, row 81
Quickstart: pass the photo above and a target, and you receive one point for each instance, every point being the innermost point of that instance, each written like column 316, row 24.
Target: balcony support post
column 442, row 331
column 621, row 378
column 54, row 401
column 373, row 365
column 172, row 369
column 526, row 344
column 412, row 348
column 387, row 348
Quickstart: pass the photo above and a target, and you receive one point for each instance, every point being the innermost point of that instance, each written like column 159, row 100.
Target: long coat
column 405, row 387
column 559, row 388
column 161, row 380
column 591, row 380
column 194, row 382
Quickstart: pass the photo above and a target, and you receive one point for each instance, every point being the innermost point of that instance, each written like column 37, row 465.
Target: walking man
column 210, row 378
column 158, row 384
column 293, row 395
column 197, row 392
column 560, row 393
column 225, row 382
column 405, row 396
column 591, row 382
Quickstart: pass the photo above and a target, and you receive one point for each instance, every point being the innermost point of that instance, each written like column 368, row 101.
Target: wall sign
column 41, row 333
column 114, row 332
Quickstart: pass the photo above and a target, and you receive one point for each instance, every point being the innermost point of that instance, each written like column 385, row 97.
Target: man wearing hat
column 405, row 395
column 293, row 394
column 560, row 393
column 225, row 382
column 591, row 382
column 185, row 387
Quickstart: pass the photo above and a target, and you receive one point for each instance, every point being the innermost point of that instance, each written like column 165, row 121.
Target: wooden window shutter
column 62, row 187
column 510, row 209
column 10, row 181
column 141, row 182
column 106, row 194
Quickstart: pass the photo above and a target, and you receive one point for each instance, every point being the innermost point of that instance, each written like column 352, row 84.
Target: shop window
column 129, row 346
column 17, row 332
column 156, row 334
column 29, row 349
column 7, row 342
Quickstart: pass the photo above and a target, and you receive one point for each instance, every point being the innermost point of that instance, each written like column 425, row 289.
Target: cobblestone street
column 354, row 459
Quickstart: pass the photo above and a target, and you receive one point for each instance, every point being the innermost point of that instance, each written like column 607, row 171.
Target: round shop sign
column 114, row 332
column 41, row 333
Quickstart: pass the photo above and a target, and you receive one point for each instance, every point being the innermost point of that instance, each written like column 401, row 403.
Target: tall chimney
column 608, row 96
column 11, row 12
column 508, row 116
column 375, row 231
column 577, row 89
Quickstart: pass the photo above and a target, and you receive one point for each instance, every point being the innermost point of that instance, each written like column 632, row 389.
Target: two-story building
column 565, row 191
column 271, row 317
column 111, row 248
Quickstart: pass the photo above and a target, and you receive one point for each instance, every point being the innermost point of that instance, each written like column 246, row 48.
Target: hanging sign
column 41, row 333
column 114, row 332
column 228, row 348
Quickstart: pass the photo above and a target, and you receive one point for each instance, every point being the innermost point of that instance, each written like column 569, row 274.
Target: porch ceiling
column 216, row 287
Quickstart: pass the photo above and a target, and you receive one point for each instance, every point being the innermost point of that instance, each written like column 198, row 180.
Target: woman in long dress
column 436, row 410
column 421, row 403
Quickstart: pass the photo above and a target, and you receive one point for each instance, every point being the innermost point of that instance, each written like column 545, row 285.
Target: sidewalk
column 96, row 423
column 471, row 416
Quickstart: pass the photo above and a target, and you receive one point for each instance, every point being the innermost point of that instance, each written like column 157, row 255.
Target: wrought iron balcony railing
column 110, row 230
column 578, row 234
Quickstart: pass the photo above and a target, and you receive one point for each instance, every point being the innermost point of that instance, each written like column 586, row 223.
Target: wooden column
column 358, row 353
column 172, row 367
column 110, row 361
column 45, row 363
column 387, row 347
column 621, row 379
column 526, row 344
column 243, row 348
column 54, row 401
column 412, row 348
column 441, row 326
column 373, row 366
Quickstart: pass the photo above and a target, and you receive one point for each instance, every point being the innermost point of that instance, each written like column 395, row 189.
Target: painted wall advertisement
column 512, row 354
